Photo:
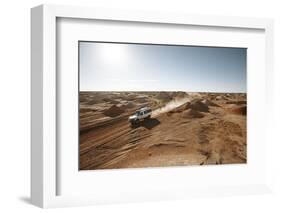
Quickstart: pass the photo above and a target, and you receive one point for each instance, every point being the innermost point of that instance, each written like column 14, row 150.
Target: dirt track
column 204, row 129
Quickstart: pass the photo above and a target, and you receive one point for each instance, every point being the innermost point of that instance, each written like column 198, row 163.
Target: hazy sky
column 142, row 67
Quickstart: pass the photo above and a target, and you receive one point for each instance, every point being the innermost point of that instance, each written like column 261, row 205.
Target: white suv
column 140, row 115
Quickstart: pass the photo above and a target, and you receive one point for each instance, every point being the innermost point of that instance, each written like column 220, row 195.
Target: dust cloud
column 170, row 106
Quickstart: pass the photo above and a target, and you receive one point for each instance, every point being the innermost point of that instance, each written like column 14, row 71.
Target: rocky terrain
column 185, row 129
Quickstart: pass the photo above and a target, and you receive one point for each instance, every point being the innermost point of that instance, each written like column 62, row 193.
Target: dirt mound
column 130, row 105
column 112, row 101
column 195, row 105
column 141, row 100
column 221, row 97
column 209, row 103
column 130, row 97
column 179, row 109
column 163, row 96
column 113, row 111
column 171, row 107
column 239, row 110
column 191, row 113
column 198, row 105
column 181, row 94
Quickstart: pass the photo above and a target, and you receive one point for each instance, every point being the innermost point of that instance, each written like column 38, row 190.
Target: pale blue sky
column 144, row 67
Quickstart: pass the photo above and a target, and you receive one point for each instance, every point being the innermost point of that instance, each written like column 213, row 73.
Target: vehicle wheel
column 135, row 123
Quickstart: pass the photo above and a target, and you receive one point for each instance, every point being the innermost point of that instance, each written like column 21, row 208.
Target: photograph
column 145, row 105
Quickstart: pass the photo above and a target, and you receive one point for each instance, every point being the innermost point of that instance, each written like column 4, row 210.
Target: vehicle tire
column 133, row 124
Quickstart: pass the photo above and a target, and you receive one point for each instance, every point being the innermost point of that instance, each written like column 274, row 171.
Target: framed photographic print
column 151, row 105
column 146, row 105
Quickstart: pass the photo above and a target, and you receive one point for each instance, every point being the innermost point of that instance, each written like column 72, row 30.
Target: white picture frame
column 44, row 84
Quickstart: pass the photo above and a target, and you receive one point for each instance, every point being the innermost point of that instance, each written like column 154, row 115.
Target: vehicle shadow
column 148, row 123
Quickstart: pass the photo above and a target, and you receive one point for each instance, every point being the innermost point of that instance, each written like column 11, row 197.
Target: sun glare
column 113, row 54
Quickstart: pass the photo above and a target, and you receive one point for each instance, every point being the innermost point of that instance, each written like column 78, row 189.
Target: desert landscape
column 184, row 129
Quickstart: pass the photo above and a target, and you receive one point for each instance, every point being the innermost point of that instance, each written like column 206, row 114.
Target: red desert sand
column 185, row 129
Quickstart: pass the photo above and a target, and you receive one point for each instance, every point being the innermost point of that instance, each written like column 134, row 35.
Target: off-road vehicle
column 140, row 115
